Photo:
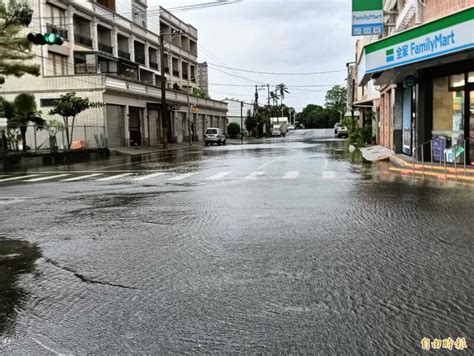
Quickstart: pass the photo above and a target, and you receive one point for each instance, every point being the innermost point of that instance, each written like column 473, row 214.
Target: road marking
column 218, row 176
column 291, row 175
column 117, row 176
column 46, row 178
column 81, row 177
column 255, row 175
column 18, row 177
column 183, row 176
column 329, row 175
column 270, row 162
column 148, row 176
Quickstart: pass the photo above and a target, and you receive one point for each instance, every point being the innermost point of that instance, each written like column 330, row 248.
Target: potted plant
column 54, row 126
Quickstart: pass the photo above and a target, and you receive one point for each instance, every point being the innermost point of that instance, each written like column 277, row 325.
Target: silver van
column 214, row 135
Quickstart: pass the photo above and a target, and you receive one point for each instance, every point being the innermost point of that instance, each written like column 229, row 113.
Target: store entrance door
column 471, row 128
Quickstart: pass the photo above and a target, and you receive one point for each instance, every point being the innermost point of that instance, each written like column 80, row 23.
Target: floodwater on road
column 289, row 246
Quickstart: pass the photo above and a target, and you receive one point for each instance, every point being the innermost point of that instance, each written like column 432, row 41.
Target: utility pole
column 164, row 108
column 268, row 96
column 241, row 122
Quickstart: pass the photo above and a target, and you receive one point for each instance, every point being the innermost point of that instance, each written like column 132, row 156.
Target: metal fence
column 39, row 139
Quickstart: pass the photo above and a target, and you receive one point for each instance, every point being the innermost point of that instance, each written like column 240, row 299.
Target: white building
column 233, row 114
column 111, row 54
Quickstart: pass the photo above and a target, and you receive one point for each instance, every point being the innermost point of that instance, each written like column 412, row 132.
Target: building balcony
column 82, row 40
column 124, row 55
column 105, row 48
column 58, row 30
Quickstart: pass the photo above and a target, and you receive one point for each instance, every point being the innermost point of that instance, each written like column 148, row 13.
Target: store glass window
column 448, row 111
column 457, row 80
column 470, row 77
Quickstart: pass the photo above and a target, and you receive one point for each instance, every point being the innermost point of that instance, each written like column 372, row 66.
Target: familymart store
column 432, row 66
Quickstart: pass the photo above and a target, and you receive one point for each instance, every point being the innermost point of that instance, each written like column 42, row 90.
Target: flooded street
column 287, row 246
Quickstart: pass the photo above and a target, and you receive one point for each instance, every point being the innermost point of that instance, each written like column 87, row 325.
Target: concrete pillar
column 126, row 124
column 94, row 37
column 147, row 54
column 70, row 34
column 146, row 125
column 115, row 41
column 131, row 47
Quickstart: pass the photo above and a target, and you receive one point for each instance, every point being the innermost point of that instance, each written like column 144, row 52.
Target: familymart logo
column 390, row 53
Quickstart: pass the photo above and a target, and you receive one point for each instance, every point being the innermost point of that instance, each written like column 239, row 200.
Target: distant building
column 203, row 77
column 233, row 107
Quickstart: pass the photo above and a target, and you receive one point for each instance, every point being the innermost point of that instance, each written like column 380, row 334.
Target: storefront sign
column 367, row 17
column 451, row 34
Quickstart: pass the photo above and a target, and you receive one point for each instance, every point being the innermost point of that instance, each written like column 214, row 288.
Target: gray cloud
column 276, row 36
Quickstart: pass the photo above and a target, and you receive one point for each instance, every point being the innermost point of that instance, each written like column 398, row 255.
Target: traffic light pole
column 164, row 111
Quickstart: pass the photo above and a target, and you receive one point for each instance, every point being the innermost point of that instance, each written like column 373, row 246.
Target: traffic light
column 45, row 38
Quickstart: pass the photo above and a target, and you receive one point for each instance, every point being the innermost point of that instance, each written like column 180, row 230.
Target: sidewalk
column 141, row 150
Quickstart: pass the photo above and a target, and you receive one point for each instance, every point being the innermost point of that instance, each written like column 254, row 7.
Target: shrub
column 233, row 129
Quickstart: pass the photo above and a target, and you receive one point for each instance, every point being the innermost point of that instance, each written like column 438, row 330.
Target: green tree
column 233, row 129
column 200, row 93
column 336, row 99
column 282, row 90
column 15, row 50
column 69, row 106
column 25, row 112
column 250, row 122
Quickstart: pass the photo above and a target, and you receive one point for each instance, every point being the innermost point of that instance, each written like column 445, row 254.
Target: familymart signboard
column 451, row 34
column 367, row 17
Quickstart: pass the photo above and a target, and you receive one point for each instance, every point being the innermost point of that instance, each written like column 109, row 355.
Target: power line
column 277, row 73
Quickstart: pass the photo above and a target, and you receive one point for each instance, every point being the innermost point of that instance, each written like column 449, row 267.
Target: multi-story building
column 111, row 54
column 424, row 69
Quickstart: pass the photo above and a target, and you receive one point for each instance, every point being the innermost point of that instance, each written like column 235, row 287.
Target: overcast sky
column 272, row 36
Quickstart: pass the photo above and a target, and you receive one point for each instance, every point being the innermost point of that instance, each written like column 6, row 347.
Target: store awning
column 449, row 35
column 365, row 102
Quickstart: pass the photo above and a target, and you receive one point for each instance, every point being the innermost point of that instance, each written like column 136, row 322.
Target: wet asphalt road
column 288, row 246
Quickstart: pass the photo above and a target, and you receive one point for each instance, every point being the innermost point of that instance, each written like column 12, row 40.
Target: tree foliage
column 336, row 99
column 15, row 50
column 21, row 112
column 250, row 122
column 316, row 116
column 69, row 106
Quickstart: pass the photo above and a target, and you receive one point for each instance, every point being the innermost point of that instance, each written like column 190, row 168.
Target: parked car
column 291, row 127
column 214, row 135
column 279, row 130
column 340, row 130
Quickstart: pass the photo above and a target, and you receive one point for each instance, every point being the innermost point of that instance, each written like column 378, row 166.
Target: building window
column 448, row 110
column 107, row 66
column 48, row 102
column 57, row 64
column 470, row 77
column 138, row 15
column 85, row 63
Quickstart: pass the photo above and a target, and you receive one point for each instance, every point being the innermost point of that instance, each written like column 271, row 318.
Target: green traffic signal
column 45, row 38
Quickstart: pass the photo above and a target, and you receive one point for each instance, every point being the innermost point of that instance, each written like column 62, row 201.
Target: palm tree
column 23, row 112
column 282, row 89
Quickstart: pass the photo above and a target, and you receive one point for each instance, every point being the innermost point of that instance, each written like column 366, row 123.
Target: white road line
column 148, row 176
column 117, row 176
column 270, row 162
column 183, row 176
column 81, row 177
column 255, row 175
column 46, row 178
column 46, row 347
column 291, row 175
column 329, row 175
column 18, row 177
column 218, row 176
